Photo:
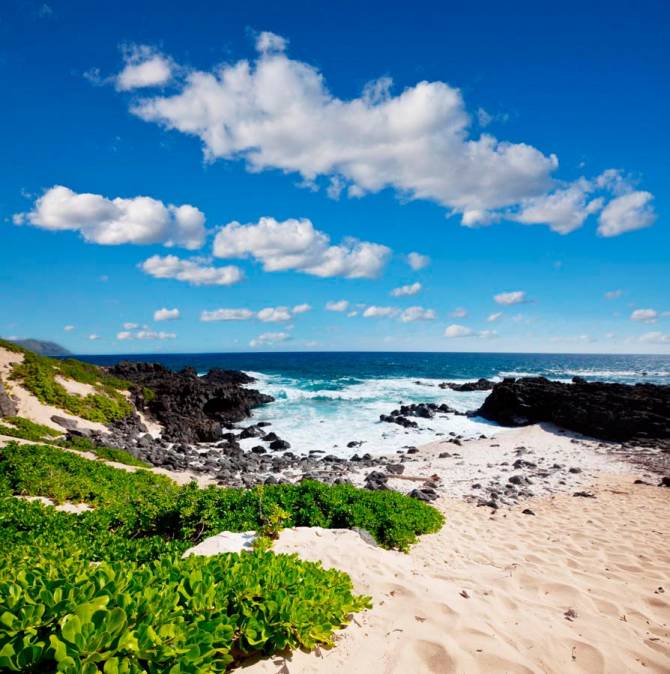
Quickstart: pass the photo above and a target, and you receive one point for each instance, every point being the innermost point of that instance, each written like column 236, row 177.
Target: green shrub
column 84, row 444
column 27, row 430
column 38, row 374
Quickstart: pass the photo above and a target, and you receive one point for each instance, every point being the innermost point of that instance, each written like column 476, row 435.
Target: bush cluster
column 19, row 427
column 107, row 590
column 38, row 374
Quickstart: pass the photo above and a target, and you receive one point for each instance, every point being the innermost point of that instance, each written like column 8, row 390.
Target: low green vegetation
column 18, row 427
column 38, row 375
column 140, row 607
column 84, row 444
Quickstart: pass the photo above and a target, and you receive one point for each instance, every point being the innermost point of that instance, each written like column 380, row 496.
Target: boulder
column 7, row 406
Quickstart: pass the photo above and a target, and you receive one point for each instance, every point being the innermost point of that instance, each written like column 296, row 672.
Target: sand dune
column 583, row 587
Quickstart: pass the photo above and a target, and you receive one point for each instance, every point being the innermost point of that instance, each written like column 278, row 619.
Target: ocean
column 326, row 400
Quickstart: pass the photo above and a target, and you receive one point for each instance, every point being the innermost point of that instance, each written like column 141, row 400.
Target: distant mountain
column 42, row 347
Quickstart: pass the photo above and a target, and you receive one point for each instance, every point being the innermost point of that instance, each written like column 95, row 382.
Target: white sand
column 496, row 594
column 66, row 507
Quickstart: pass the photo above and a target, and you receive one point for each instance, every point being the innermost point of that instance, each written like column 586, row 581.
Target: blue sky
column 250, row 164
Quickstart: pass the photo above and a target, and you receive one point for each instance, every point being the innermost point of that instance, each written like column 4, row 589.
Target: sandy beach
column 581, row 586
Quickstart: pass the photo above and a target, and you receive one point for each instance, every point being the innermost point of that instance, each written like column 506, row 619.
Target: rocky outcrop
column 190, row 408
column 479, row 385
column 7, row 406
column 619, row 412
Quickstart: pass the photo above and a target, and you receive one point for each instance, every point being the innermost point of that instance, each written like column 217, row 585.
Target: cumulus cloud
column 94, row 338
column 190, row 271
column 269, row 338
column 296, row 244
column 644, row 315
column 226, row 315
column 627, row 213
column 406, row 291
column 278, row 113
column 68, row 328
column 111, row 222
column 417, row 261
column 145, row 334
column 144, row 67
column 455, row 330
column 340, row 305
column 412, row 314
column 380, row 312
column 301, row 309
column 494, row 316
column 613, row 294
column 166, row 314
column 274, row 314
column 655, row 338
column 460, row 312
column 514, row 297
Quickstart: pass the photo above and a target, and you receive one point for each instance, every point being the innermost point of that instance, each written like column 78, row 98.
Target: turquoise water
column 325, row 400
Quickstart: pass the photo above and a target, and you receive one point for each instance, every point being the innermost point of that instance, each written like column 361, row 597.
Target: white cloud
column 494, row 316
column 514, row 297
column 166, row 314
column 417, row 314
column 301, row 309
column 613, row 294
column 655, row 338
column 269, row 338
column 144, row 67
column 190, row 271
column 94, row 338
column 487, row 334
column 417, row 261
column 460, row 312
column 274, row 314
column 111, row 222
column 626, row 213
column 380, row 312
column 130, row 326
column 277, row 113
column 644, row 315
column 564, row 210
column 458, row 331
column 68, row 328
column 227, row 315
column 145, row 334
column 295, row 244
column 340, row 305
column 352, row 314
column 406, row 291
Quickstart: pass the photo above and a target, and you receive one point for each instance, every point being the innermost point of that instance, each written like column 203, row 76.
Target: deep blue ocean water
column 324, row 400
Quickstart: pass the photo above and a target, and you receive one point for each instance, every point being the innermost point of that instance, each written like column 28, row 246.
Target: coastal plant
column 38, row 375
column 19, row 427
column 83, row 444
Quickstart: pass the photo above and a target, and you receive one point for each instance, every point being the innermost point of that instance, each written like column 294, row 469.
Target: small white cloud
column 145, row 335
column 460, row 312
column 458, row 331
column 352, row 314
column 144, row 67
column 190, row 271
column 340, row 305
column 112, row 222
column 301, row 309
column 270, row 42
column 94, row 338
column 68, row 328
column 655, row 338
column 514, row 297
column 644, row 315
column 130, row 326
column 166, row 314
column 269, row 338
column 627, row 213
column 274, row 314
column 417, row 314
column 380, row 312
column 494, row 316
column 406, row 291
column 487, row 334
column 417, row 261
column 296, row 245
column 483, row 117
column 226, row 315
column 613, row 294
